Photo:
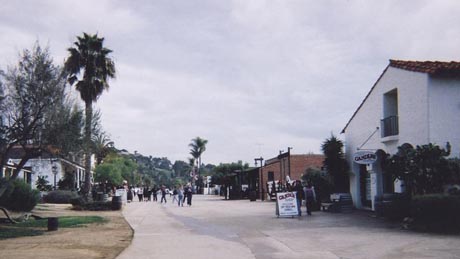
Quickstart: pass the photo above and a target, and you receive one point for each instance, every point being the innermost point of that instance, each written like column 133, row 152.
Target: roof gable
column 433, row 68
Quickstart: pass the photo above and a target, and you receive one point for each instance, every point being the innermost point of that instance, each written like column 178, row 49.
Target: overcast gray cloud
column 252, row 77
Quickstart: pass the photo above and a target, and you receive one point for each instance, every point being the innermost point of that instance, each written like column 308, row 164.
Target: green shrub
column 60, row 196
column 18, row 195
column 436, row 213
column 393, row 206
column 92, row 206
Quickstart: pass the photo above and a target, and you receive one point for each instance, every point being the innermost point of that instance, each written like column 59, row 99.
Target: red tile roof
column 429, row 67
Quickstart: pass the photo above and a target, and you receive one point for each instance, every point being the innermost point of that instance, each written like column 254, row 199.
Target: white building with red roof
column 412, row 102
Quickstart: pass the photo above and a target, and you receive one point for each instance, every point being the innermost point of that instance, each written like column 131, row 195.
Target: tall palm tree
column 90, row 58
column 198, row 146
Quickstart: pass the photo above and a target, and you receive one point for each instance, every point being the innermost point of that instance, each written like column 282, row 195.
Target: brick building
column 286, row 166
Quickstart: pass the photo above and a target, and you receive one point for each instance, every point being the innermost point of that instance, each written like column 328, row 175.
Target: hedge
column 436, row 213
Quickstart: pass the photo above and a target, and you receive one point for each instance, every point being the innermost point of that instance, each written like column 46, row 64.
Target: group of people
column 180, row 194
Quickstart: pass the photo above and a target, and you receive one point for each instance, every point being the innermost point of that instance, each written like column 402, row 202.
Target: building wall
column 412, row 88
column 444, row 113
column 428, row 109
column 296, row 164
column 300, row 163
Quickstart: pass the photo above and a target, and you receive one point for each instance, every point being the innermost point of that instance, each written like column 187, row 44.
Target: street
column 217, row 228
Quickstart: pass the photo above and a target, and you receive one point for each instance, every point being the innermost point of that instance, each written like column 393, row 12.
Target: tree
column 32, row 89
column 335, row 163
column 102, row 146
column 423, row 169
column 115, row 169
column 91, row 58
column 198, row 146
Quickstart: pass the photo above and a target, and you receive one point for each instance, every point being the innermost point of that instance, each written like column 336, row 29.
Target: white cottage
column 411, row 102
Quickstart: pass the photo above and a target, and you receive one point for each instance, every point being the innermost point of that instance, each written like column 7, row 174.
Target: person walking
column 174, row 193
column 163, row 194
column 189, row 195
column 140, row 193
column 155, row 193
column 310, row 197
column 299, row 196
column 180, row 194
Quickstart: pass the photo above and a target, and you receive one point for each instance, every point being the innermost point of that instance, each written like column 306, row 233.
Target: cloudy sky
column 252, row 77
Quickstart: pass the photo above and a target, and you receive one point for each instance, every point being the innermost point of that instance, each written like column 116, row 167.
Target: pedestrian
column 130, row 194
column 146, row 194
column 140, row 193
column 189, row 196
column 174, row 193
column 186, row 190
column 155, row 193
column 163, row 194
column 180, row 194
column 310, row 197
column 299, row 196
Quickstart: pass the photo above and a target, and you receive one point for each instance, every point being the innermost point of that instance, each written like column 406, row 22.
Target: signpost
column 364, row 157
column 286, row 204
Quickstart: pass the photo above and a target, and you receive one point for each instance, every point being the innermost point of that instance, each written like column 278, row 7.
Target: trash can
column 116, row 203
column 53, row 223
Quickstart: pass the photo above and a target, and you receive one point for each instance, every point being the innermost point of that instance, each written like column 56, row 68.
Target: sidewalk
column 215, row 228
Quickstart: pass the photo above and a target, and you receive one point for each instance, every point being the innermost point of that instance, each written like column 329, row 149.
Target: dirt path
column 105, row 240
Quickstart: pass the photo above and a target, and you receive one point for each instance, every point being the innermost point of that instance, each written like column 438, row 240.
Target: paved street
column 215, row 228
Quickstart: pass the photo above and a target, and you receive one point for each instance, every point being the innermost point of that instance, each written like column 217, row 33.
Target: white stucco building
column 52, row 167
column 411, row 102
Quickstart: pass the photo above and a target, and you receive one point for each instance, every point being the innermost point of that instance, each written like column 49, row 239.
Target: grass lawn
column 38, row 227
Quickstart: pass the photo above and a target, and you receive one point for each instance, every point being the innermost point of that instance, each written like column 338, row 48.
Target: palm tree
column 102, row 146
column 90, row 58
column 198, row 146
column 335, row 163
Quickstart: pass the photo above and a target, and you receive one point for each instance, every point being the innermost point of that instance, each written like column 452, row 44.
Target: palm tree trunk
column 87, row 145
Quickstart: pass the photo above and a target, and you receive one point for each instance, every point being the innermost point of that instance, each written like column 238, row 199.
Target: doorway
column 365, row 186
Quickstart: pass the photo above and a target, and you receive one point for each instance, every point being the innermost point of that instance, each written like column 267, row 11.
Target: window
column 389, row 124
column 271, row 176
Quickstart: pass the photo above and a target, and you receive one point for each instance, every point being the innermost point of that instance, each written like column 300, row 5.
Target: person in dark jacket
column 299, row 195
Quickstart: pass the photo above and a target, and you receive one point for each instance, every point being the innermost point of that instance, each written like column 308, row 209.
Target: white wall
column 413, row 119
column 444, row 113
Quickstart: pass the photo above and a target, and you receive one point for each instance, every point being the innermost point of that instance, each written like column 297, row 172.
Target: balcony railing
column 389, row 126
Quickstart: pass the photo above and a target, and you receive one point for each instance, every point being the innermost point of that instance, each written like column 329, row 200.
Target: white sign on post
column 286, row 204
column 364, row 157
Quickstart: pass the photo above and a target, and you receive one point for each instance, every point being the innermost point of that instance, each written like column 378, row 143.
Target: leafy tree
column 423, row 169
column 63, row 128
column 323, row 187
column 90, row 58
column 115, row 169
column 32, row 89
column 181, row 168
column 335, row 163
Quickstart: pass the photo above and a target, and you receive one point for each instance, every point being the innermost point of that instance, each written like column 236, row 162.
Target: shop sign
column 364, row 157
column 286, row 204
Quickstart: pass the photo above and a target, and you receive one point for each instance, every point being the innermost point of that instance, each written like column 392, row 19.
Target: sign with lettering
column 364, row 157
column 286, row 204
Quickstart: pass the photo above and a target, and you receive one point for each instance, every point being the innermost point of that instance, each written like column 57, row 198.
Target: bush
column 393, row 206
column 60, row 196
column 92, row 206
column 436, row 213
column 18, row 195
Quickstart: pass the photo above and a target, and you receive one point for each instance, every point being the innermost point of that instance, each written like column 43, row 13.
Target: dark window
column 271, row 176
